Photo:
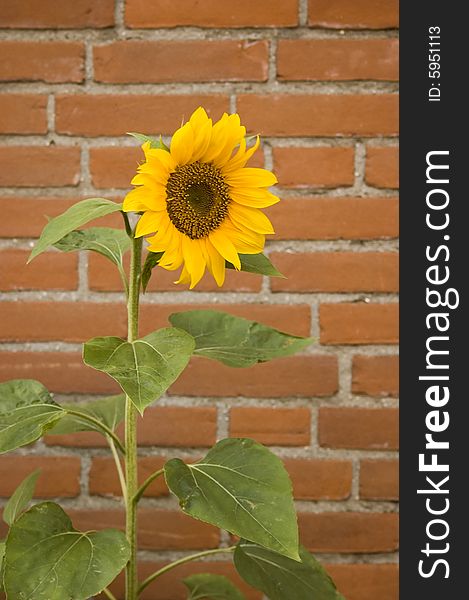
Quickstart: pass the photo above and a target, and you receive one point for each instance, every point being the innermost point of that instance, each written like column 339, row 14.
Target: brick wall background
column 318, row 80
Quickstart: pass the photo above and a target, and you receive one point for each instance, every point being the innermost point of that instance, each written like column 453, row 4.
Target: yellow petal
column 161, row 241
column 184, row 278
column 226, row 135
column 163, row 157
column 148, row 223
column 194, row 260
column 216, row 264
column 252, row 218
column 251, row 177
column 241, row 157
column 182, row 144
column 202, row 136
column 198, row 118
column 259, row 199
column 137, row 200
column 245, row 241
column 172, row 258
column 225, row 247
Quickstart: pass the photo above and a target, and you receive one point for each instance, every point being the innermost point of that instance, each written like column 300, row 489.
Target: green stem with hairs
column 131, row 583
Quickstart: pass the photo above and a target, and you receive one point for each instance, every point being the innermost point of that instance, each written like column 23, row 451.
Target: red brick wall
column 318, row 80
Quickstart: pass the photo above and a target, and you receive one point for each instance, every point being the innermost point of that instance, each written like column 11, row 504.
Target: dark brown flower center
column 197, row 199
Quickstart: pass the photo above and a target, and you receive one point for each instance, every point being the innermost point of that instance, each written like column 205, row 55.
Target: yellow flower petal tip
column 200, row 202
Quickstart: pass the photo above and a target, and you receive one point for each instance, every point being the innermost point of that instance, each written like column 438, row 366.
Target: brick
column 335, row 218
column 23, row 113
column 301, row 376
column 51, row 271
column 67, row 14
column 52, row 62
column 359, row 323
column 109, row 114
column 320, row 115
column 338, row 60
column 103, row 277
column 345, row 532
column 78, row 321
column 167, row 61
column 379, row 480
column 320, row 479
column 382, row 167
column 162, row 426
column 359, row 14
column 336, row 272
column 170, row 587
column 375, row 375
column 39, row 166
column 211, row 13
column 114, row 167
column 366, row 582
column 314, row 167
column 359, row 428
column 104, row 481
column 272, row 426
column 60, row 475
column 62, row 372
column 158, row 529
column 14, row 224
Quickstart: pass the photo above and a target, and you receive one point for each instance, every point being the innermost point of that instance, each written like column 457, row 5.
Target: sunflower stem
column 131, row 583
column 182, row 561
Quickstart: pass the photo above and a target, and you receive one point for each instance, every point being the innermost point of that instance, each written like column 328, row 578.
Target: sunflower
column 200, row 203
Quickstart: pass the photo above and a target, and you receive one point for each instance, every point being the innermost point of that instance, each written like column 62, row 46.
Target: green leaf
column 281, row 578
column 205, row 586
column 242, row 487
column 111, row 243
column 21, row 498
column 154, row 142
column 46, row 558
column 145, row 368
column 27, row 411
column 234, row 341
column 2, row 554
column 152, row 259
column 256, row 263
column 77, row 215
column 110, row 411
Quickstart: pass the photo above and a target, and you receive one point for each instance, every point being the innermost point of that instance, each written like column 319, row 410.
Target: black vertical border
column 426, row 126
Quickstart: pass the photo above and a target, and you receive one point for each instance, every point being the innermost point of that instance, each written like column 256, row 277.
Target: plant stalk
column 131, row 582
column 145, row 484
column 182, row 561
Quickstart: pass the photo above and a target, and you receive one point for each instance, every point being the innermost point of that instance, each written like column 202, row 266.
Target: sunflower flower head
column 200, row 204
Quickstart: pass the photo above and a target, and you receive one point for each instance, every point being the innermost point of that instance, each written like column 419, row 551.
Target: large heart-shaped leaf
column 205, row 586
column 110, row 411
column 20, row 498
column 256, row 263
column 111, row 243
column 145, row 368
column 27, row 411
column 281, row 578
column 242, row 487
column 47, row 558
column 77, row 215
column 234, row 341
